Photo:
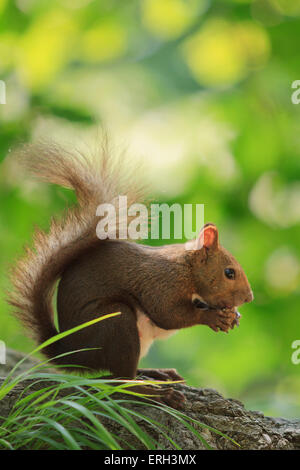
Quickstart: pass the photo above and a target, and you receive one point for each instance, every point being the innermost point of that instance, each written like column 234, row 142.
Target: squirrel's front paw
column 223, row 320
column 231, row 318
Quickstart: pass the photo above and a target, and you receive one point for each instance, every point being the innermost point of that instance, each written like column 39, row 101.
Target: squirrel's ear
column 208, row 237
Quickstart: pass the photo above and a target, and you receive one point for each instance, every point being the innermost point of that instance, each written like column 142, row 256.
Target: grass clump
column 61, row 411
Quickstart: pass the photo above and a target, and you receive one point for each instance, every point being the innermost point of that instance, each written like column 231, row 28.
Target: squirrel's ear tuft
column 208, row 237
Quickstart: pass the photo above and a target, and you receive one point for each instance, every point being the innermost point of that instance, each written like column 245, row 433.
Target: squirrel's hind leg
column 115, row 347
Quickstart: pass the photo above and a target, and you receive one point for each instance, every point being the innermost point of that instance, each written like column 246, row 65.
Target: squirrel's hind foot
column 161, row 374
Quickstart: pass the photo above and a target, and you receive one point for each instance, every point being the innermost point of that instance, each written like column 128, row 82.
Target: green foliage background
column 200, row 91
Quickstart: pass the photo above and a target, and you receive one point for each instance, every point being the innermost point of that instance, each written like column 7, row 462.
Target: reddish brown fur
column 99, row 277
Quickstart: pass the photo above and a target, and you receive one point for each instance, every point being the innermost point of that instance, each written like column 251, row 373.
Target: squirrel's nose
column 249, row 297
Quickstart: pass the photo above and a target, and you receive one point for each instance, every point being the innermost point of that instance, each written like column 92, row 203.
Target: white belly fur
column 148, row 332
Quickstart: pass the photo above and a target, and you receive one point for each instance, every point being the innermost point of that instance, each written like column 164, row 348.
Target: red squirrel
column 158, row 290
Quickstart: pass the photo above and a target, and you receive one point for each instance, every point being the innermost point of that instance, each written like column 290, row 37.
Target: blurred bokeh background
column 200, row 92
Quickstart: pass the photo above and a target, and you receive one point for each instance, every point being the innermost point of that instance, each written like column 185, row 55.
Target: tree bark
column 251, row 429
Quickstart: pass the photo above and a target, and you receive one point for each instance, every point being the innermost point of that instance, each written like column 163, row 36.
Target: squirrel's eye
column 230, row 273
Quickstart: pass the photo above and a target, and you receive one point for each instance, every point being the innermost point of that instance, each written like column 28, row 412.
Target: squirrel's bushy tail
column 96, row 180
